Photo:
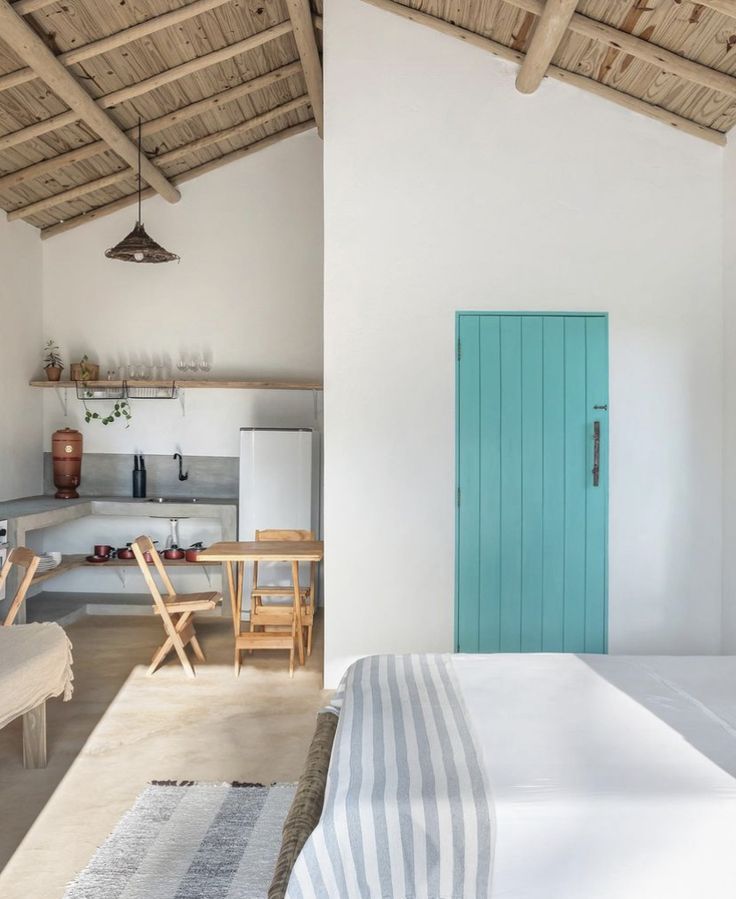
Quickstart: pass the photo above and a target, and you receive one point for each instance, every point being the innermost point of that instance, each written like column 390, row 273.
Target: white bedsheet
column 611, row 776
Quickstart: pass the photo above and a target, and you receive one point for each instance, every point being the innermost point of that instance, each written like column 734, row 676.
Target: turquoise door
column 532, row 458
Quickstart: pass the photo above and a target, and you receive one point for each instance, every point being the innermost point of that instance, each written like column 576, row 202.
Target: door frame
column 486, row 312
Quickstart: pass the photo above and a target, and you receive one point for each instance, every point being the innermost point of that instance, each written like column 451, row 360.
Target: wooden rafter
column 29, row 47
column 118, row 39
column 24, row 7
column 588, row 84
column 300, row 14
column 195, row 65
column 190, row 174
column 174, row 155
column 725, row 7
column 142, row 87
column 663, row 59
column 153, row 126
column 550, row 29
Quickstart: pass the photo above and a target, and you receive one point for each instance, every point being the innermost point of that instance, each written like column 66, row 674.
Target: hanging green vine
column 121, row 409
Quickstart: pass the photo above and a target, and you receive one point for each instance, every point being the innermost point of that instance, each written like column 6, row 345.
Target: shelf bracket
column 207, row 575
column 122, row 573
column 63, row 397
column 182, row 402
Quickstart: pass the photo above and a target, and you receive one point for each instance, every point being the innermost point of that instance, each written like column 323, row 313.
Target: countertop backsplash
column 111, row 474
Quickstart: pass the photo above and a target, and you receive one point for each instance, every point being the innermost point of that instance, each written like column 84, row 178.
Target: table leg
column 239, row 590
column 297, row 612
column 233, row 597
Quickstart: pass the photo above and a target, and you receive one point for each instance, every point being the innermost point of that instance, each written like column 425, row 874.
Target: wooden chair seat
column 189, row 602
column 262, row 590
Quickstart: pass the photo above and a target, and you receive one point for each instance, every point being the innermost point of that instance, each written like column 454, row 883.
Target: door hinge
column 458, row 497
column 459, row 350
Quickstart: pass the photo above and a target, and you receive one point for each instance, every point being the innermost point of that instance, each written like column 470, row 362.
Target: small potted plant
column 53, row 366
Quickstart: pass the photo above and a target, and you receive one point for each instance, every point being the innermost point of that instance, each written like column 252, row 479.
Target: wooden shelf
column 184, row 384
column 73, row 561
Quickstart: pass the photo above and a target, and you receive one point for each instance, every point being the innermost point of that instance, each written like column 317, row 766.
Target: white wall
column 247, row 292
column 21, row 344
column 445, row 189
column 729, row 406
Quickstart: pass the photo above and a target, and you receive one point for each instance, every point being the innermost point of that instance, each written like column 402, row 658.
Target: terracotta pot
column 91, row 368
column 66, row 453
column 53, row 372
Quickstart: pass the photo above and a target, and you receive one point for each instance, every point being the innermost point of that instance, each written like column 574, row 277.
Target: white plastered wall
column 446, row 190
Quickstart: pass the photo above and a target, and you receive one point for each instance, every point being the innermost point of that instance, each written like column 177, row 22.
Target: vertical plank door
column 532, row 415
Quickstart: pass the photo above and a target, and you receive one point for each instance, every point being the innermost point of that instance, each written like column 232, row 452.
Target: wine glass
column 182, row 365
column 204, row 366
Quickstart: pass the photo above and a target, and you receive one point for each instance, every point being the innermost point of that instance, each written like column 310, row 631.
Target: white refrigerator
column 279, row 488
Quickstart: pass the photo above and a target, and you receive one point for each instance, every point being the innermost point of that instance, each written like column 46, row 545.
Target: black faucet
column 182, row 475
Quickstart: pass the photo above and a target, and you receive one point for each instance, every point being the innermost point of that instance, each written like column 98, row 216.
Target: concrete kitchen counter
column 35, row 513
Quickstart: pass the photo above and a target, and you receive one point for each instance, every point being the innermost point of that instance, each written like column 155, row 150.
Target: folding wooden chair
column 175, row 609
column 23, row 558
column 281, row 615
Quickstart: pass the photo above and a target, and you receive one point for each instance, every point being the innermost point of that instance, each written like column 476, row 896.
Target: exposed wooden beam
column 663, row 59
column 549, row 31
column 29, row 47
column 142, row 87
column 300, row 14
column 588, row 84
column 81, row 190
column 23, row 7
column 726, row 7
column 38, row 129
column 130, row 200
column 153, row 126
column 195, row 65
column 118, row 39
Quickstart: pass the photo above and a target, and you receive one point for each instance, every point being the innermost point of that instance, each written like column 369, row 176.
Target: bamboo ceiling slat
column 150, row 127
column 117, row 39
column 189, row 150
column 188, row 175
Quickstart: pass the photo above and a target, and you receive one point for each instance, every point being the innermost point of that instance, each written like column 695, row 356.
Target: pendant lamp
column 138, row 246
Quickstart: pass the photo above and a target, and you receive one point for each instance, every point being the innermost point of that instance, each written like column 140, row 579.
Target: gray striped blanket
column 407, row 813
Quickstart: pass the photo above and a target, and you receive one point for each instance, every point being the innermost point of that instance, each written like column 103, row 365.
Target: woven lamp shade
column 139, row 247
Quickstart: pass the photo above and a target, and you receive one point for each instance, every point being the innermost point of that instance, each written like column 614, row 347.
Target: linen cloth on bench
column 35, row 665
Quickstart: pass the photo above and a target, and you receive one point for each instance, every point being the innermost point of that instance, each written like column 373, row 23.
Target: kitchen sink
column 173, row 499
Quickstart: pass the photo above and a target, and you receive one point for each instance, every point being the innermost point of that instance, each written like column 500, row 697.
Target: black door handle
column 596, row 453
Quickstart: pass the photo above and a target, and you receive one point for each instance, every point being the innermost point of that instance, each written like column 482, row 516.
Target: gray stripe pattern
column 407, row 811
column 198, row 841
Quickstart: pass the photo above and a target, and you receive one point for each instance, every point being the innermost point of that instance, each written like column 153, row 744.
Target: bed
column 528, row 777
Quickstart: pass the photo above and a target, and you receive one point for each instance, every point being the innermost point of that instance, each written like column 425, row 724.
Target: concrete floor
column 123, row 729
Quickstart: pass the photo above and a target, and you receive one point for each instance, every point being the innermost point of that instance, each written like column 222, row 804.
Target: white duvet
column 612, row 777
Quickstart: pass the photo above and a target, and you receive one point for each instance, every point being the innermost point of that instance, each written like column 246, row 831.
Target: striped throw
column 407, row 813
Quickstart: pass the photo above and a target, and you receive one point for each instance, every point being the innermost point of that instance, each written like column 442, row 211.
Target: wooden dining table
column 234, row 555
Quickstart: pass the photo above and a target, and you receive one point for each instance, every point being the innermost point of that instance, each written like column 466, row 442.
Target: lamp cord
column 139, row 170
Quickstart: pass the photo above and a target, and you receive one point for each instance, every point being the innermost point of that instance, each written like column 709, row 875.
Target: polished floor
column 123, row 729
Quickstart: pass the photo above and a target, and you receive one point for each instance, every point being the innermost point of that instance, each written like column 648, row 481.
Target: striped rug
column 191, row 841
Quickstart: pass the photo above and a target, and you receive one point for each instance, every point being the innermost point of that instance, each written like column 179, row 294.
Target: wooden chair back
column 143, row 545
column 28, row 560
column 286, row 535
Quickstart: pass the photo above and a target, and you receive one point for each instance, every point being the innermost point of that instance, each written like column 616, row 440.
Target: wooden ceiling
column 211, row 80
column 673, row 60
